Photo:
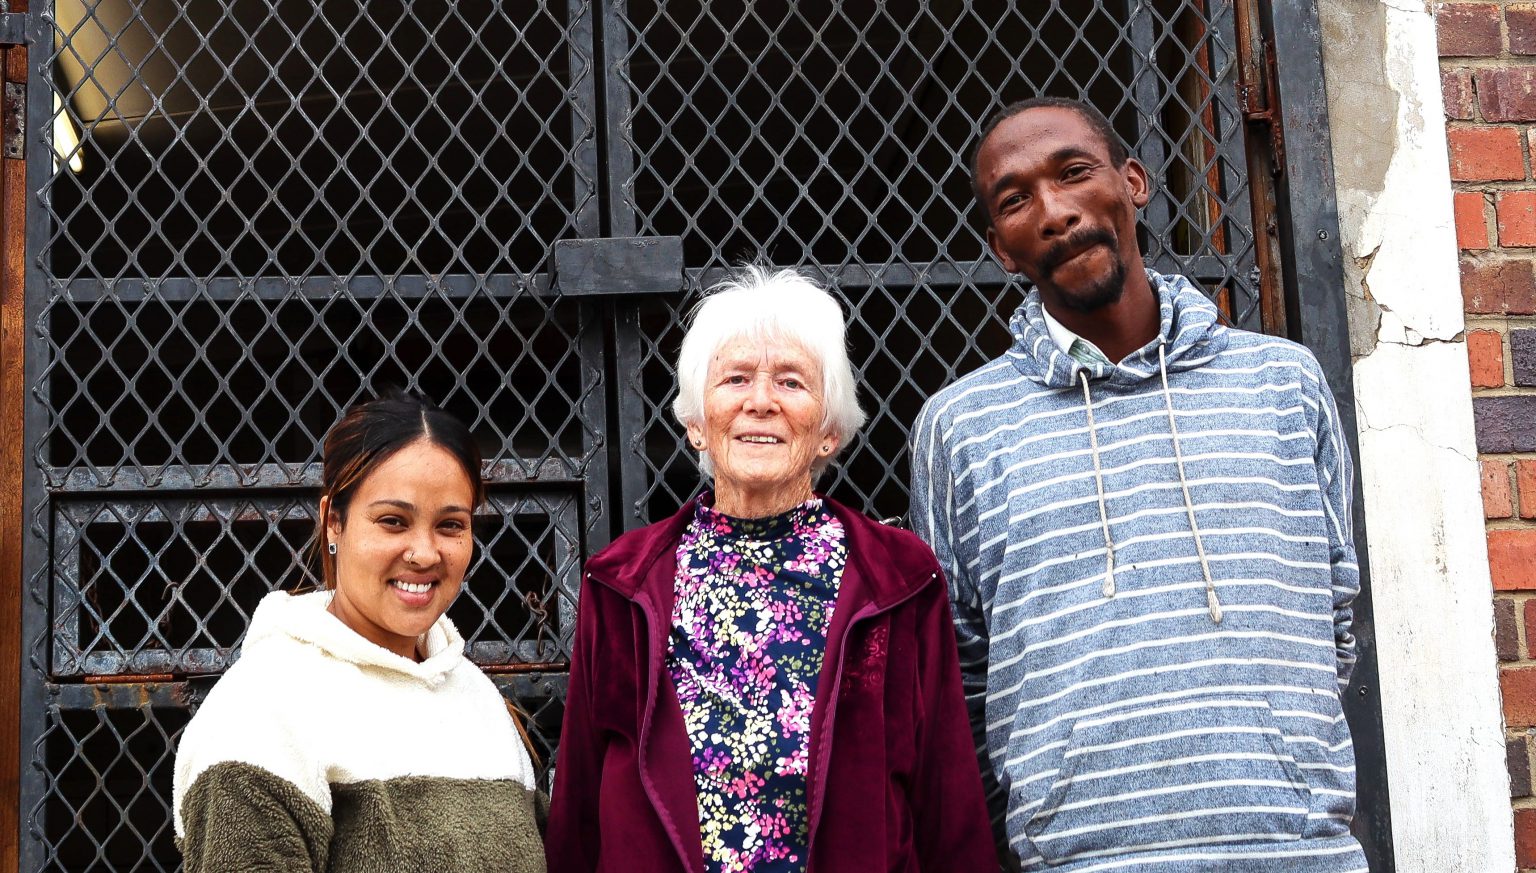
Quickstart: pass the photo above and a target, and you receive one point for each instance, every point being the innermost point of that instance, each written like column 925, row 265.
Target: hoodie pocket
column 1214, row 770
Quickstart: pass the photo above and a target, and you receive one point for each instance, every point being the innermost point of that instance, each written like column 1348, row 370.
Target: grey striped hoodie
column 1152, row 571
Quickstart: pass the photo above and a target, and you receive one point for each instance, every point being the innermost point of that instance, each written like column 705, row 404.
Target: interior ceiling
column 134, row 65
column 118, row 84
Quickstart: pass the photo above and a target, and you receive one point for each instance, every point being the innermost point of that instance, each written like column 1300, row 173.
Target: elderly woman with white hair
column 768, row 680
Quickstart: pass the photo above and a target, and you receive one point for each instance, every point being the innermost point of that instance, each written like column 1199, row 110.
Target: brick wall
column 1488, row 76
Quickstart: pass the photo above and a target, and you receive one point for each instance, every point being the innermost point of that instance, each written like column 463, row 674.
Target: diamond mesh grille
column 260, row 215
column 263, row 213
column 101, row 759
column 169, row 587
column 834, row 137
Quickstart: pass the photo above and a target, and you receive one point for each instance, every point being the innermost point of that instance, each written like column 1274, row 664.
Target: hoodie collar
column 304, row 618
column 1187, row 323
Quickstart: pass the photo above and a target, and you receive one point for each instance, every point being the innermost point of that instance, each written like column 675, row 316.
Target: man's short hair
column 1118, row 154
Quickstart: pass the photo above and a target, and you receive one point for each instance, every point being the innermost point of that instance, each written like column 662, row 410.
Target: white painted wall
column 1428, row 555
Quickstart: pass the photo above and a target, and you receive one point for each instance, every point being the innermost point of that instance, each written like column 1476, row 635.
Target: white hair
column 782, row 306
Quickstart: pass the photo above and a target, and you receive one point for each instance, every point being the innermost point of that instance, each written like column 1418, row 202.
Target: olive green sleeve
column 239, row 817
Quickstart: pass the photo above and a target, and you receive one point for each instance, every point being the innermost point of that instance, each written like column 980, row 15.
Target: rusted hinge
column 13, row 121
column 1257, row 98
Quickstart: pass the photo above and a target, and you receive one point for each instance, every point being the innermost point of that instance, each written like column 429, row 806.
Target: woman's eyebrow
column 407, row 506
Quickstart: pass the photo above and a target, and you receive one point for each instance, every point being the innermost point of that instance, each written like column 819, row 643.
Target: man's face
column 1061, row 212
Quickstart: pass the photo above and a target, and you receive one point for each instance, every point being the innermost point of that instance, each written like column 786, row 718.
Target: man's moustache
column 1061, row 251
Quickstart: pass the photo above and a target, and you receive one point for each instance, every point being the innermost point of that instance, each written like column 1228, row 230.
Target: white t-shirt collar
column 1063, row 336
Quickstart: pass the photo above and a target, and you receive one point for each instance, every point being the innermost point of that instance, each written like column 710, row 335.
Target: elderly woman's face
column 762, row 425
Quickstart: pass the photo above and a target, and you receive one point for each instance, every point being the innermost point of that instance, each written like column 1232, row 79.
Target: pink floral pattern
column 749, row 627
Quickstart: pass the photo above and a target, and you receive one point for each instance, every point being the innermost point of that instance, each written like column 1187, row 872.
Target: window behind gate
column 249, row 216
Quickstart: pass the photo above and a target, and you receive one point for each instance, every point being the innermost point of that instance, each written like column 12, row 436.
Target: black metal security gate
column 249, row 215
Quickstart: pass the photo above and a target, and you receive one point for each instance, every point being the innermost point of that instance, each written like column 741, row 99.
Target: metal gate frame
column 568, row 490
column 1304, row 233
column 1307, row 226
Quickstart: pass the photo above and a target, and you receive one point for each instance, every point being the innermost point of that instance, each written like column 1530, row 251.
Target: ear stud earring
column 331, row 548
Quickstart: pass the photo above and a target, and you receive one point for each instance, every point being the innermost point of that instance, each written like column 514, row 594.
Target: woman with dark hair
column 353, row 734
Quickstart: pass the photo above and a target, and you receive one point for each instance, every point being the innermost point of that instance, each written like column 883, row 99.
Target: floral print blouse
column 749, row 627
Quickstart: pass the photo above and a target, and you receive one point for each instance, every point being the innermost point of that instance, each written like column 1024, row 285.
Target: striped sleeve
column 1336, row 477
column 934, row 518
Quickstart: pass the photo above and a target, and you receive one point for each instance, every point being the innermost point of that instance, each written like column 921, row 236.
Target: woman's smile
column 414, row 591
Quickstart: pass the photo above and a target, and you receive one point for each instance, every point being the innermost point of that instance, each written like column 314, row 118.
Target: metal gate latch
column 619, row 266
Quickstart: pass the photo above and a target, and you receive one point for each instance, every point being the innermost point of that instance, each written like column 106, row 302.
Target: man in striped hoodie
column 1144, row 518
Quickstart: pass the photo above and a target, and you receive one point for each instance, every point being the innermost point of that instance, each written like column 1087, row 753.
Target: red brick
column 1485, row 353
column 1497, row 502
column 1516, row 214
column 1512, row 558
column 1471, row 225
column 1520, row 21
column 1468, row 29
column 1530, row 625
column 1507, row 93
column 1480, row 154
column 1456, row 93
column 1520, row 297
column 1525, row 483
column 1525, row 838
column 1519, row 687
column 1498, row 286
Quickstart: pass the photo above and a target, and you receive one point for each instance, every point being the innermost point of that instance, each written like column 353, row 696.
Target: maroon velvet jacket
column 893, row 779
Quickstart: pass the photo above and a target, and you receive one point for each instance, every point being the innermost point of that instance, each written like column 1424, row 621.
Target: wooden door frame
column 13, row 212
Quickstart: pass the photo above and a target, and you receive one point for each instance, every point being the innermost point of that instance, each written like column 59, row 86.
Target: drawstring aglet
column 1109, row 582
column 1210, row 598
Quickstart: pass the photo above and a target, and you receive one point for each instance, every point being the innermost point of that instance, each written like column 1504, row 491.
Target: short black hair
column 1118, row 154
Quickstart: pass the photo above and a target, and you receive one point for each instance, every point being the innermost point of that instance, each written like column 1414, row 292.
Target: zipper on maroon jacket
column 653, row 679
column 824, row 742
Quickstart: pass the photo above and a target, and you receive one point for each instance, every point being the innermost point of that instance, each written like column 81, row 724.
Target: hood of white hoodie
column 306, row 619
column 1188, row 323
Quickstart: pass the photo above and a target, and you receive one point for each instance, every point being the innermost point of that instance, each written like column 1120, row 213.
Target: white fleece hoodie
column 321, row 750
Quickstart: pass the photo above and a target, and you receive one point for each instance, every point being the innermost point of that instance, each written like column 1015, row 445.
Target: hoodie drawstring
column 1098, row 480
column 1189, row 505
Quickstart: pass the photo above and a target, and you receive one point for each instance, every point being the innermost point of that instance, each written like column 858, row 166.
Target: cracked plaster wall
column 1443, row 724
